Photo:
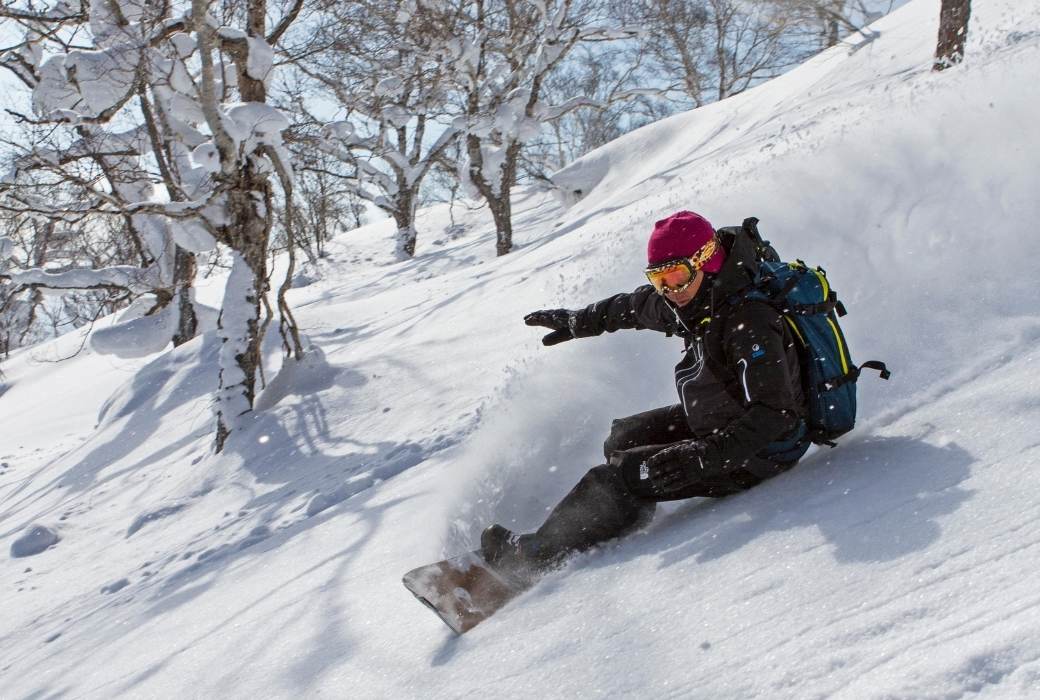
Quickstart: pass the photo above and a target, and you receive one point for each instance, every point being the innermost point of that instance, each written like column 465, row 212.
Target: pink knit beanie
column 680, row 236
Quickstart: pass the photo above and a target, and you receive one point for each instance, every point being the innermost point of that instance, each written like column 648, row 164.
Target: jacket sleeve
column 643, row 308
column 757, row 354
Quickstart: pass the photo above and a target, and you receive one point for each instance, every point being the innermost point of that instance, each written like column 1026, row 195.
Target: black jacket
column 740, row 381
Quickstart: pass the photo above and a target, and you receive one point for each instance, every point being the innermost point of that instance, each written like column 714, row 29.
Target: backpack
column 810, row 307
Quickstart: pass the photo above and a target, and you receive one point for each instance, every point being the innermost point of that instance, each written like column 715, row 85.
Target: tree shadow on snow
column 873, row 500
column 330, row 645
column 181, row 578
column 176, row 378
column 305, row 475
column 294, row 452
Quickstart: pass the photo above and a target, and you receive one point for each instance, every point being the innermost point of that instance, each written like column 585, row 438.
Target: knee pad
column 600, row 474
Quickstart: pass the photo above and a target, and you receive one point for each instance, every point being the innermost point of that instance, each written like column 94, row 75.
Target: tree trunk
column 184, row 285
column 36, row 299
column 953, row 31
column 405, row 242
column 404, row 217
column 239, row 327
column 321, row 231
column 249, row 206
column 501, row 212
column 239, row 323
column 721, row 27
column 499, row 202
column 504, row 215
column 828, row 15
column 503, row 225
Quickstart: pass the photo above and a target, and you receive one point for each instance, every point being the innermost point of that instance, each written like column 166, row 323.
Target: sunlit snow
column 901, row 564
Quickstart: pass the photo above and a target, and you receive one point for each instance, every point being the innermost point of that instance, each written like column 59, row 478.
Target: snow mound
column 36, row 539
column 134, row 335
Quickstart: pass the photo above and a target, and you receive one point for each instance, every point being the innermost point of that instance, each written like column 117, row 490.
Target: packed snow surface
column 900, row 565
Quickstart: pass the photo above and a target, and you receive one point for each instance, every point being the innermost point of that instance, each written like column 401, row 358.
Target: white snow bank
column 135, row 335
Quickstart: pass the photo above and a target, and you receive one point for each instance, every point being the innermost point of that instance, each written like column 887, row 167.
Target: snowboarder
column 741, row 412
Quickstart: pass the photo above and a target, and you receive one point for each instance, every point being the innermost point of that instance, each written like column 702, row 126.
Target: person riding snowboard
column 741, row 412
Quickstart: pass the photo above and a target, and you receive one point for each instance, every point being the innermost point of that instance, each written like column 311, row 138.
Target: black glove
column 561, row 321
column 676, row 467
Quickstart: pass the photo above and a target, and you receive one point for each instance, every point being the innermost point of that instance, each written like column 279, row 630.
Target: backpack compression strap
column 854, row 373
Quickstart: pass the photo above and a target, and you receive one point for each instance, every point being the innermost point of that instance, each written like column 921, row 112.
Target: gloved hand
column 561, row 321
column 677, row 466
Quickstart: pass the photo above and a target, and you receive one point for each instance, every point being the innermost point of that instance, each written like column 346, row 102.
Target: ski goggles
column 676, row 275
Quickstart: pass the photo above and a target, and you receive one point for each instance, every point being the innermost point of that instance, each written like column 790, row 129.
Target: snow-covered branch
column 124, row 277
column 207, row 90
column 503, row 59
column 547, row 113
column 284, row 24
column 200, row 118
column 398, row 122
column 62, row 12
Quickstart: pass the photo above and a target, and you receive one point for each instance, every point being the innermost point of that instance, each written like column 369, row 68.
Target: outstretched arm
column 642, row 308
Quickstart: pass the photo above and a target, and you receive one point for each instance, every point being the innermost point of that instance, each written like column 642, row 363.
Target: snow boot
column 511, row 554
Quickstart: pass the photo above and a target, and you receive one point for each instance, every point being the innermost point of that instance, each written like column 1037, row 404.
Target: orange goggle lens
column 676, row 275
column 671, row 277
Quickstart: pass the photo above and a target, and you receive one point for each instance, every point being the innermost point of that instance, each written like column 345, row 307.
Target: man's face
column 684, row 297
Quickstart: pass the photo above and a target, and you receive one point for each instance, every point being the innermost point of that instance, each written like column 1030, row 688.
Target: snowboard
column 463, row 591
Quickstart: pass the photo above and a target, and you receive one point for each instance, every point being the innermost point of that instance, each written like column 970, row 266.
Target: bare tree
column 245, row 149
column 611, row 76
column 749, row 45
column 327, row 202
column 676, row 37
column 383, row 64
column 198, row 77
column 27, row 242
column 505, row 53
column 712, row 49
column 61, row 162
column 953, row 32
column 828, row 21
column 445, row 187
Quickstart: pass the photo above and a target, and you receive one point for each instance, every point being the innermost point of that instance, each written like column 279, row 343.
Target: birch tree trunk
column 496, row 194
column 953, row 32
column 247, row 231
column 404, row 217
column 184, row 284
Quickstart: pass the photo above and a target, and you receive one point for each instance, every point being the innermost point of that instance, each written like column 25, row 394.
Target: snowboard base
column 463, row 591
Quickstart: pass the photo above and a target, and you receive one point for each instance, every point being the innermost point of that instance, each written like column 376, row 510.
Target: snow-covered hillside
column 899, row 565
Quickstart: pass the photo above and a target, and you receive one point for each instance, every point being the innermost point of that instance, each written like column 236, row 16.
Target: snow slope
column 900, row 565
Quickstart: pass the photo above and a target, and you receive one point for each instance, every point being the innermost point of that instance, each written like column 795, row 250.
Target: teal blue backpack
column 811, row 309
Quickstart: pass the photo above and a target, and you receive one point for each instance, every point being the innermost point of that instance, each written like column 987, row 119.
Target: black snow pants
column 602, row 506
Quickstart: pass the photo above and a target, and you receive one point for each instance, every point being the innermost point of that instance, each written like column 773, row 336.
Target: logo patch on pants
column 644, row 471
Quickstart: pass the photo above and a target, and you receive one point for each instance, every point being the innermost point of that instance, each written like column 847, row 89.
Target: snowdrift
column 899, row 565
